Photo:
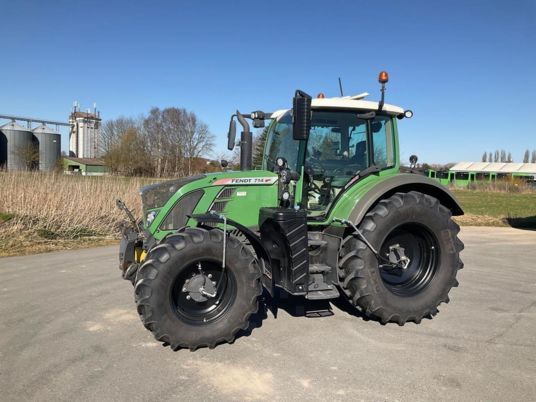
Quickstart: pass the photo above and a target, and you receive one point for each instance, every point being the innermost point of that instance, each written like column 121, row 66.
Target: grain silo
column 3, row 151
column 21, row 147
column 49, row 146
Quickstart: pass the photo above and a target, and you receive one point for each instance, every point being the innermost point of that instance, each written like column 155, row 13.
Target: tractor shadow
column 297, row 306
column 525, row 223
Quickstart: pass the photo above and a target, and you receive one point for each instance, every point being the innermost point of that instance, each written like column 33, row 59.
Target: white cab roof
column 346, row 102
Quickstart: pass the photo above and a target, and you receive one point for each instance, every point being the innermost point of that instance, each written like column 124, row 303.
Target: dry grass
column 515, row 185
column 37, row 209
column 45, row 211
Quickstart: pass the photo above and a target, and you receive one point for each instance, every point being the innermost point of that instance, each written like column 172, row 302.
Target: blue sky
column 466, row 68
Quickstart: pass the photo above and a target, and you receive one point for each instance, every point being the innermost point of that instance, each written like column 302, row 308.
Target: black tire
column 425, row 227
column 183, row 323
column 130, row 273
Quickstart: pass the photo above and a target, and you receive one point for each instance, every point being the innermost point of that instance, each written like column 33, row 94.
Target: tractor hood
column 156, row 195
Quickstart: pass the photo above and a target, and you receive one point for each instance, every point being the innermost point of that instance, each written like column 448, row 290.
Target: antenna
column 340, row 86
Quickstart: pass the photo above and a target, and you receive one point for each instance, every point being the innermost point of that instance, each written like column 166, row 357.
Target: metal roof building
column 85, row 166
column 495, row 167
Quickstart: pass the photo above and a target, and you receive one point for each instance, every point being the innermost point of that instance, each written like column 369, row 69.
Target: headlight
column 150, row 217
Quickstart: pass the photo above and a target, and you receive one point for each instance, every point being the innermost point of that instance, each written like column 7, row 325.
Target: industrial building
column 29, row 148
column 49, row 147
column 18, row 147
column 464, row 173
column 85, row 166
column 85, row 132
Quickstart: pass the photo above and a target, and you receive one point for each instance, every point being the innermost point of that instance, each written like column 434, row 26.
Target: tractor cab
column 345, row 139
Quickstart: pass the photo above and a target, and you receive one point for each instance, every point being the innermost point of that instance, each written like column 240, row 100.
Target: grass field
column 43, row 212
column 485, row 208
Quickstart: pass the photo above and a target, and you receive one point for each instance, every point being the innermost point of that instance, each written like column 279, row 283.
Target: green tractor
column 329, row 215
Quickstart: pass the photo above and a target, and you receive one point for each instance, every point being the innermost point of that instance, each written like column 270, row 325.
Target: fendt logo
column 245, row 181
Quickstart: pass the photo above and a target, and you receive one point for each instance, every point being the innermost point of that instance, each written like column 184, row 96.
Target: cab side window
column 383, row 141
column 281, row 143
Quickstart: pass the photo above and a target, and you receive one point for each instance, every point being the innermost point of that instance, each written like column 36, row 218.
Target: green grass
column 4, row 216
column 498, row 208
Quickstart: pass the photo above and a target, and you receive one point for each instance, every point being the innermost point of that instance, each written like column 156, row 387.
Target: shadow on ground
column 297, row 306
column 526, row 223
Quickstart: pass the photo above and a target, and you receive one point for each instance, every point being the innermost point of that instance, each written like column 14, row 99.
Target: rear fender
column 405, row 183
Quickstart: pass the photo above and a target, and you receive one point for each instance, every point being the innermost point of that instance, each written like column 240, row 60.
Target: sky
column 466, row 68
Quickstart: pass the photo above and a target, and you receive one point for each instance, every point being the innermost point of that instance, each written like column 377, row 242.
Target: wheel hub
column 397, row 256
column 200, row 288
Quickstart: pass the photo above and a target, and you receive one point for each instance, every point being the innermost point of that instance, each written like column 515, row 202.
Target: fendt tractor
column 330, row 214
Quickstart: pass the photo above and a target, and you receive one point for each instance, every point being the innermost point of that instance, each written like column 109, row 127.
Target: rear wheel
column 185, row 297
column 418, row 232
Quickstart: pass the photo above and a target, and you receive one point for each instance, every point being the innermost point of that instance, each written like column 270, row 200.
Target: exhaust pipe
column 246, row 144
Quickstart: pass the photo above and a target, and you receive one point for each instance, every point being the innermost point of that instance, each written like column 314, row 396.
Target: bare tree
column 533, row 157
column 509, row 158
column 112, row 131
column 153, row 128
column 526, row 156
column 171, row 141
column 484, row 157
column 496, row 156
column 197, row 139
column 129, row 155
column 490, row 157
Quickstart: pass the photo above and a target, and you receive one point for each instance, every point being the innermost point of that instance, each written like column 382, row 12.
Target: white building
column 85, row 133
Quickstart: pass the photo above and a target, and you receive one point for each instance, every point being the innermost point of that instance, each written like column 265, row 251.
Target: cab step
column 319, row 268
column 323, row 294
column 312, row 242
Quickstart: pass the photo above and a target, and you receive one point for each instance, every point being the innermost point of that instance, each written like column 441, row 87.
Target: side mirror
column 301, row 115
column 231, row 135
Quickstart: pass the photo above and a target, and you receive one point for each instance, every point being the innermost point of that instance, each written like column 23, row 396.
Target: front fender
column 405, row 183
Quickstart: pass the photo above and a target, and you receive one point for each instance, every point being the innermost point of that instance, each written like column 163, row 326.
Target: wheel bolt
column 184, row 289
column 214, row 283
column 209, row 276
column 188, row 297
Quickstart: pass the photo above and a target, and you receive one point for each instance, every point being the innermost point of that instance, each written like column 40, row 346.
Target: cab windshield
column 337, row 149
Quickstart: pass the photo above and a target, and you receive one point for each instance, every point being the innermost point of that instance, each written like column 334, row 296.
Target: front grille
column 222, row 199
column 227, row 192
column 179, row 215
column 218, row 206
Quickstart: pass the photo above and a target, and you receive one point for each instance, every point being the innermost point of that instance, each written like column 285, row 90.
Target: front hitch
column 131, row 252
column 122, row 206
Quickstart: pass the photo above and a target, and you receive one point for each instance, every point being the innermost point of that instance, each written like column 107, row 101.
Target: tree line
column 167, row 142
column 504, row 157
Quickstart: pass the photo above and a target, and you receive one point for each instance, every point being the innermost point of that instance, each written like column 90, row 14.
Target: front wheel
column 187, row 299
column 417, row 232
